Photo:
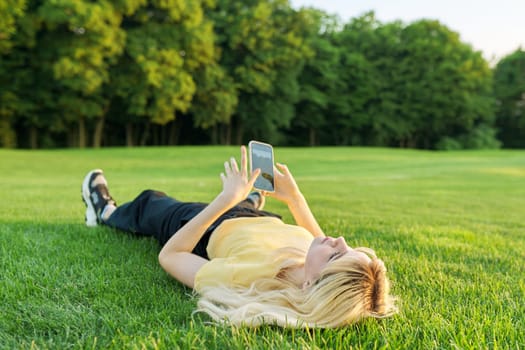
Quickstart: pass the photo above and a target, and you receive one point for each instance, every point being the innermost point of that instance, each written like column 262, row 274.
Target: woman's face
column 322, row 251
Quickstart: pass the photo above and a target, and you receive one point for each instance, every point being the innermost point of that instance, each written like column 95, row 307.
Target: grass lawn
column 449, row 226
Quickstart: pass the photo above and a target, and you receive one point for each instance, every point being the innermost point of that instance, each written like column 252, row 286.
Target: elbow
column 162, row 258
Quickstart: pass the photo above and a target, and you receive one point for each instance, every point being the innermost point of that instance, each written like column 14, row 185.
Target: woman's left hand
column 236, row 184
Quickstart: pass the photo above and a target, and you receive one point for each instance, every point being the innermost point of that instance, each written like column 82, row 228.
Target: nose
column 339, row 242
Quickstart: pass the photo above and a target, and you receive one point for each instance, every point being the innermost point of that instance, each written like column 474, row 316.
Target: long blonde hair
column 348, row 290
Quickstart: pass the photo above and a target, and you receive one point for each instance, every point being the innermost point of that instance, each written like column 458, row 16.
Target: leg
column 255, row 200
column 154, row 214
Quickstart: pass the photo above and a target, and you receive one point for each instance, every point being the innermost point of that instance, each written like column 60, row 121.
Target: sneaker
column 95, row 197
column 257, row 199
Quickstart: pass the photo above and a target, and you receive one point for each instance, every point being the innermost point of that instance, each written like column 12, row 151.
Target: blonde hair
column 348, row 290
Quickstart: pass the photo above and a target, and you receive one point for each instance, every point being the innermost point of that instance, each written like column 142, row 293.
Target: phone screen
column 261, row 156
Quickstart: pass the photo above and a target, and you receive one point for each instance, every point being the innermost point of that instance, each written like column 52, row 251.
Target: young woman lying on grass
column 248, row 266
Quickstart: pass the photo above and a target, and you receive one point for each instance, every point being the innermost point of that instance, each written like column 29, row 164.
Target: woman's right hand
column 236, row 182
column 286, row 189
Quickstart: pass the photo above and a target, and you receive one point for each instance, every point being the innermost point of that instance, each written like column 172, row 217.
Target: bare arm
column 176, row 257
column 304, row 217
column 287, row 191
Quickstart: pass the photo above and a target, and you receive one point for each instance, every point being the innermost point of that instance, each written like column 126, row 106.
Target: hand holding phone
column 261, row 157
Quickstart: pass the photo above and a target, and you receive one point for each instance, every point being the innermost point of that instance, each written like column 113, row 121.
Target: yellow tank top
column 242, row 250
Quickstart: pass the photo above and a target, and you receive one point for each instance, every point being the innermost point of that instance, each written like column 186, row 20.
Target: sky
column 496, row 28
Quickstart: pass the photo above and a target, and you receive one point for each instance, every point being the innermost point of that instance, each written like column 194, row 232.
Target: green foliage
column 14, row 29
column 166, row 42
column 365, row 108
column 481, row 137
column 509, row 90
column 12, row 11
column 59, row 61
column 318, row 81
column 451, row 90
column 410, row 85
column 228, row 71
column 263, row 51
column 7, row 134
column 82, row 39
column 216, row 99
column 448, row 144
column 449, row 226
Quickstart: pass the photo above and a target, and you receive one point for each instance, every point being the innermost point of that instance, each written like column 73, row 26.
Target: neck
column 295, row 275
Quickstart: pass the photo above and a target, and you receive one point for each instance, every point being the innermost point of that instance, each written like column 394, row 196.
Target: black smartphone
column 261, row 157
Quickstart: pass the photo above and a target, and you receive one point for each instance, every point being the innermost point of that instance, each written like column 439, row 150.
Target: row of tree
column 77, row 73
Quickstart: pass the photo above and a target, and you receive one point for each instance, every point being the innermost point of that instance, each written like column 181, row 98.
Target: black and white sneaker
column 257, row 199
column 95, row 197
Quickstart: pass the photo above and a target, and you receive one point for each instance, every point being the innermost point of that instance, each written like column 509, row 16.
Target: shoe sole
column 258, row 204
column 91, row 215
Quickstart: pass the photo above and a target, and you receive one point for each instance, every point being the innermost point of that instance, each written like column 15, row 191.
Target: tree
column 319, row 78
column 509, row 90
column 167, row 41
column 412, row 85
column 12, row 11
column 365, row 110
column 262, row 51
column 215, row 100
column 71, row 44
column 445, row 85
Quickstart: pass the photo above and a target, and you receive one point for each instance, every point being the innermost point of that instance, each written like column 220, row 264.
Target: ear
column 307, row 284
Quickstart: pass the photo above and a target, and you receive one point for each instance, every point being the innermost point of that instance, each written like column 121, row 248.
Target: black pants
column 155, row 214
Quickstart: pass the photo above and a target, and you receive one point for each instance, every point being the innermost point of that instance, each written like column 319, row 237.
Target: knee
column 151, row 193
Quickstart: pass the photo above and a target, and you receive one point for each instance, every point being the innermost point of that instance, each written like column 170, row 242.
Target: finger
column 255, row 172
column 244, row 161
column 227, row 168
column 223, row 177
column 234, row 166
column 254, row 176
column 281, row 165
column 269, row 194
column 283, row 168
column 276, row 170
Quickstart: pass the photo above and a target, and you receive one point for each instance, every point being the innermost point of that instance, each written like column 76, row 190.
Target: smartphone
column 261, row 157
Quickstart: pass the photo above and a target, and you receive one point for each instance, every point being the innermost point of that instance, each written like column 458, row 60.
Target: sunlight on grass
column 507, row 171
column 449, row 226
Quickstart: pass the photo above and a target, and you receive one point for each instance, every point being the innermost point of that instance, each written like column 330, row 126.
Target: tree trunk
column 33, row 137
column 176, row 130
column 81, row 133
column 426, row 143
column 155, row 137
column 145, row 135
column 72, row 136
column 164, row 134
column 312, row 137
column 228, row 135
column 214, row 134
column 99, row 132
column 7, row 135
column 240, row 133
column 174, row 134
column 129, row 135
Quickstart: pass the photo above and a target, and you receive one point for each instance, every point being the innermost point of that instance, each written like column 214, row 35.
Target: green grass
column 449, row 226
